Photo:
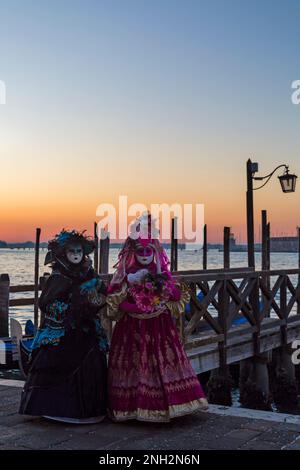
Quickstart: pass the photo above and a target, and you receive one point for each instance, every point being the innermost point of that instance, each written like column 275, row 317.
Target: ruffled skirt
column 67, row 380
column 149, row 376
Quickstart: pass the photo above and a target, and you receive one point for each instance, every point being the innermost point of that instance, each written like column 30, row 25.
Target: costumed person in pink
column 149, row 375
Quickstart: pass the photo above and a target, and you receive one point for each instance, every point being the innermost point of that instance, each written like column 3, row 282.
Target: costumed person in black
column 67, row 378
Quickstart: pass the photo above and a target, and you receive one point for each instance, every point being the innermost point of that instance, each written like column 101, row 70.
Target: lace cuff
column 95, row 298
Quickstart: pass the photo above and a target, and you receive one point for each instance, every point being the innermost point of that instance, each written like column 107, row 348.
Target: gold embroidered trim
column 177, row 308
column 146, row 316
column 113, row 301
column 174, row 411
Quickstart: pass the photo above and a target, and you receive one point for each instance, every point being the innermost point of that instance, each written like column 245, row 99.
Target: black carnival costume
column 67, row 378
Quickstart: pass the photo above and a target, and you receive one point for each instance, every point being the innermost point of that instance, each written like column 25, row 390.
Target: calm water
column 19, row 264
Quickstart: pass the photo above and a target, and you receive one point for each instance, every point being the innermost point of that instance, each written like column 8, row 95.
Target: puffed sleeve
column 177, row 307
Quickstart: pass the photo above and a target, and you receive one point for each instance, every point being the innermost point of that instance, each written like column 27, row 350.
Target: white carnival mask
column 74, row 253
column 144, row 255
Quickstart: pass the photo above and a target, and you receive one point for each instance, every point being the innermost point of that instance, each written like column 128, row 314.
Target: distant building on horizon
column 284, row 244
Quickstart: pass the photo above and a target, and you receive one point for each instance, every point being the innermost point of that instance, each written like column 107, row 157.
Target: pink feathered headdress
column 142, row 233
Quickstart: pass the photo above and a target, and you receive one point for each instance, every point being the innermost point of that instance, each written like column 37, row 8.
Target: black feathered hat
column 57, row 246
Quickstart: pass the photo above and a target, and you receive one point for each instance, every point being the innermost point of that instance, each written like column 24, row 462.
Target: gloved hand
column 135, row 278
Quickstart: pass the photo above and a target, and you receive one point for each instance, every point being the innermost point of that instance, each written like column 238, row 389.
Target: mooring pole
column 219, row 384
column 36, row 278
column 265, row 254
column 264, row 232
column 4, row 304
column 174, row 245
column 250, row 215
column 226, row 244
column 204, row 247
column 96, row 254
column 298, row 230
column 104, row 253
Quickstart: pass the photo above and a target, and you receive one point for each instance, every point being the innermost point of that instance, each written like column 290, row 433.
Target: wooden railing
column 264, row 299
column 22, row 301
column 257, row 296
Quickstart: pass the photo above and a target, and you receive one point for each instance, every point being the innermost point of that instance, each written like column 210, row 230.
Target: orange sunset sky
column 158, row 102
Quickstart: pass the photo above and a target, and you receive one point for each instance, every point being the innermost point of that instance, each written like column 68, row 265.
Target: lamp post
column 288, row 185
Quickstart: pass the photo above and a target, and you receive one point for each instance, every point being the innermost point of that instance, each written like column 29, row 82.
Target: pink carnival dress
column 149, row 375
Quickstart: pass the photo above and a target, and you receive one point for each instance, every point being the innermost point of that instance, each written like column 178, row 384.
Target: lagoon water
column 19, row 264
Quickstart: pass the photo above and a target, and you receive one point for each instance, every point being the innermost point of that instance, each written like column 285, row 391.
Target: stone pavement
column 210, row 430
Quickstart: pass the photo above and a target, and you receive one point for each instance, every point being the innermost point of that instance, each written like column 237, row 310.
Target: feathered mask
column 142, row 233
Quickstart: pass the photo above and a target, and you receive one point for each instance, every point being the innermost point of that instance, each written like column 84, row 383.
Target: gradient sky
column 161, row 100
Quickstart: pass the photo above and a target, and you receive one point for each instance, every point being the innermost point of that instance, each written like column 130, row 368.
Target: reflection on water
column 19, row 264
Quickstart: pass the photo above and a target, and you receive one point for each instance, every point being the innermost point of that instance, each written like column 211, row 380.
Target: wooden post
column 285, row 389
column 265, row 253
column 250, row 215
column 223, row 299
column 284, row 384
column 43, row 280
column 255, row 387
column 104, row 253
column 4, row 304
column 226, row 247
column 219, row 384
column 283, row 309
column 298, row 307
column 257, row 394
column 264, row 241
column 104, row 269
column 174, row 245
column 268, row 260
column 36, row 278
column 96, row 254
column 205, row 247
column 254, row 300
column 268, row 247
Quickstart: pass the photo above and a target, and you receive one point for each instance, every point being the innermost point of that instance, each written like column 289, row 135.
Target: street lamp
column 288, row 182
column 288, row 185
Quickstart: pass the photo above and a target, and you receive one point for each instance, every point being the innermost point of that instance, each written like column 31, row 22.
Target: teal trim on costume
column 53, row 328
column 56, row 311
column 45, row 336
column 102, row 338
column 88, row 285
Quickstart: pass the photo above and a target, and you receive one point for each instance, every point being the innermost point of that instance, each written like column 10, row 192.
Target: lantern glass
column 288, row 183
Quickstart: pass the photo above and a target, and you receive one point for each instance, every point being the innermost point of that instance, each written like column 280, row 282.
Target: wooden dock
column 270, row 313
column 210, row 336
column 266, row 302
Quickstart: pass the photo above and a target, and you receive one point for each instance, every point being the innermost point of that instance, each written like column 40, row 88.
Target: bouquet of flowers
column 152, row 292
